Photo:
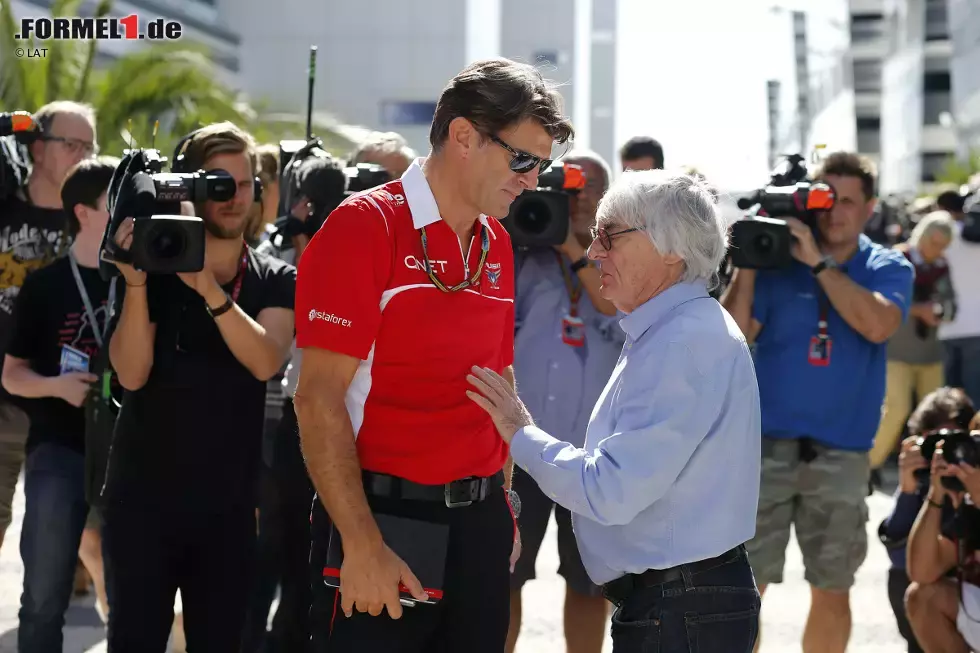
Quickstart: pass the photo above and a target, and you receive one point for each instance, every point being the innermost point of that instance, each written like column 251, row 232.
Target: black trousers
column 898, row 582
column 151, row 553
column 283, row 548
column 473, row 615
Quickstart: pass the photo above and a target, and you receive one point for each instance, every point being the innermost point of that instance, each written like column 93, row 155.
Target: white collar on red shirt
column 421, row 201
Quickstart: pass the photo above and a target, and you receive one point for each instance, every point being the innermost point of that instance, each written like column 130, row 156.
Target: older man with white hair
column 664, row 492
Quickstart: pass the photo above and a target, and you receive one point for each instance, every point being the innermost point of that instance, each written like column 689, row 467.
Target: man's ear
column 463, row 136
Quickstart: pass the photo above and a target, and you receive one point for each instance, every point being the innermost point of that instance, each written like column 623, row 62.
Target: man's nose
column 529, row 180
column 595, row 251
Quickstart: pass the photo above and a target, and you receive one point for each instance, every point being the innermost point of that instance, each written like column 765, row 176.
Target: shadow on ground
column 87, row 630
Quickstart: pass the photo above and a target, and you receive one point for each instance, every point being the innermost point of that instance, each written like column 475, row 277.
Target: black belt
column 455, row 494
column 619, row 590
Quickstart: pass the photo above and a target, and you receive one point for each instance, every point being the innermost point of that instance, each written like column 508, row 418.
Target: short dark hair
column 218, row 138
column 939, row 407
column 951, row 201
column 494, row 94
column 850, row 164
column 84, row 184
column 639, row 147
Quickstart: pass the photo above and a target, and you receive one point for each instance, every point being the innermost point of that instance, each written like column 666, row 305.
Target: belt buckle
column 449, row 495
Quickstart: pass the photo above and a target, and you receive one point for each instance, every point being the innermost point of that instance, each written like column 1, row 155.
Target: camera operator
column 945, row 611
column 315, row 187
column 62, row 306
column 193, row 351
column 386, row 149
column 642, row 153
column 820, row 328
column 945, row 408
column 567, row 344
column 34, row 232
column 914, row 352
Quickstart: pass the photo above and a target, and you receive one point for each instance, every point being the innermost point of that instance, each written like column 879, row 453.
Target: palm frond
column 63, row 57
column 20, row 85
column 81, row 91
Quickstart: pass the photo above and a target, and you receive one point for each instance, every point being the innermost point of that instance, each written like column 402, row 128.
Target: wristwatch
column 826, row 263
column 221, row 310
column 515, row 503
column 579, row 264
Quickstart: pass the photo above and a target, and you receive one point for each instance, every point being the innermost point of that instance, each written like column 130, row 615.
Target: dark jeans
column 475, row 612
column 152, row 551
column 54, row 484
column 961, row 365
column 715, row 610
column 283, row 550
column 898, row 582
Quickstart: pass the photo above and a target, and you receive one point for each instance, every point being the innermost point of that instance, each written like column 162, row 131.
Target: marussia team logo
column 493, row 275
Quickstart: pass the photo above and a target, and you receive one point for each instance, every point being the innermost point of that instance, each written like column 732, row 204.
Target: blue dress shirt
column 557, row 382
column 671, row 465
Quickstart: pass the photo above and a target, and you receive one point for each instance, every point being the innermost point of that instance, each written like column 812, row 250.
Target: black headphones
column 179, row 163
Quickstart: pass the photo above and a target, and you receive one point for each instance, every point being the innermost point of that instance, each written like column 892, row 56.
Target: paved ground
column 783, row 615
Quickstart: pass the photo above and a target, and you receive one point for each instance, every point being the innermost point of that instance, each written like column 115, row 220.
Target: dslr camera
column 959, row 446
column 164, row 241
column 762, row 239
column 539, row 218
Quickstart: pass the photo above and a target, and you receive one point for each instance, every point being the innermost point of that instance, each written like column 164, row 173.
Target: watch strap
column 221, row 310
column 825, row 263
column 579, row 264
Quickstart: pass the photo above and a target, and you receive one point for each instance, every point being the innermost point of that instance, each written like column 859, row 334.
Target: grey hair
column 384, row 143
column 677, row 211
column 940, row 221
column 583, row 154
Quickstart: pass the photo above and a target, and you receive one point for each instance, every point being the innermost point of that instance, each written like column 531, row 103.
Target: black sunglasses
column 521, row 161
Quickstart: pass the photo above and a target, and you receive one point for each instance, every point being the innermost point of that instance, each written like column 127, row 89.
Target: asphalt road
column 783, row 613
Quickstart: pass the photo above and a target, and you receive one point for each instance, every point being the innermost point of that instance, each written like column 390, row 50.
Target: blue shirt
column 838, row 405
column 560, row 383
column 671, row 465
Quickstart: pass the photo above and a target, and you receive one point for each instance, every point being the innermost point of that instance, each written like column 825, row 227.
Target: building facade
column 964, row 23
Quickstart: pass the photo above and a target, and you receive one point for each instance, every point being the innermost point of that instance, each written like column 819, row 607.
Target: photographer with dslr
column 193, row 351
column 820, row 328
column 943, row 607
column 567, row 344
column 945, row 408
column 33, row 233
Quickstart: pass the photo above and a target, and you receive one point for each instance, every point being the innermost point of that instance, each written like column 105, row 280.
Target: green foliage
column 176, row 84
column 956, row 172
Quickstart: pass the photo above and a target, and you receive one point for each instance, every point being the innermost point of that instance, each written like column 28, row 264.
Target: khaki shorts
column 825, row 500
column 13, row 438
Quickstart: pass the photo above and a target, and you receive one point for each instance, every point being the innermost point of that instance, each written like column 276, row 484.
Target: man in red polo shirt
column 402, row 291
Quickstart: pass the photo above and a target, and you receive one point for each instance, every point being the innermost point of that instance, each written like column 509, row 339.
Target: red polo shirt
column 362, row 290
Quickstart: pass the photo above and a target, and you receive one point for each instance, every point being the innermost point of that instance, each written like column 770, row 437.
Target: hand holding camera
column 910, row 460
column 124, row 240
column 803, row 246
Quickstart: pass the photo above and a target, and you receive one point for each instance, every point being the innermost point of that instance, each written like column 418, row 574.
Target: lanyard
column 465, row 283
column 241, row 274
column 824, row 310
column 89, row 310
column 574, row 291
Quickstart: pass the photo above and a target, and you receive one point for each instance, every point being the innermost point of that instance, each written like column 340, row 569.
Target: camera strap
column 89, row 309
column 820, row 344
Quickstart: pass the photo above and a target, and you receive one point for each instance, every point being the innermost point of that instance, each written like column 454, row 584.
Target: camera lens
column 166, row 244
column 764, row 243
column 533, row 217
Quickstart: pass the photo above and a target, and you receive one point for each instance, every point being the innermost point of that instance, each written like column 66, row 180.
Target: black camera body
column 164, row 241
column 762, row 240
column 540, row 218
column 959, row 446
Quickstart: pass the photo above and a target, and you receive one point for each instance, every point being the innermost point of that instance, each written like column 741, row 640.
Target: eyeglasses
column 522, row 161
column 605, row 238
column 74, row 145
column 466, row 283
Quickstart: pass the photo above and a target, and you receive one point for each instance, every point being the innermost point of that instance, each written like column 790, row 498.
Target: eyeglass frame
column 73, row 143
column 535, row 160
column 605, row 238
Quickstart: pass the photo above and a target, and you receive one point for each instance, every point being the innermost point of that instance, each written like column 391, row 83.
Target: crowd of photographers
column 851, row 311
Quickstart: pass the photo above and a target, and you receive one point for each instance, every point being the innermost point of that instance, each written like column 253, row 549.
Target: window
column 867, row 27
column 937, row 21
column 933, row 165
column 402, row 114
column 934, row 105
column 933, row 82
column 867, row 76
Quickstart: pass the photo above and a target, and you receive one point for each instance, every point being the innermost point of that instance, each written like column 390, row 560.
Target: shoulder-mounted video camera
column 17, row 132
column 164, row 241
column 762, row 239
column 539, row 218
column 308, row 170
